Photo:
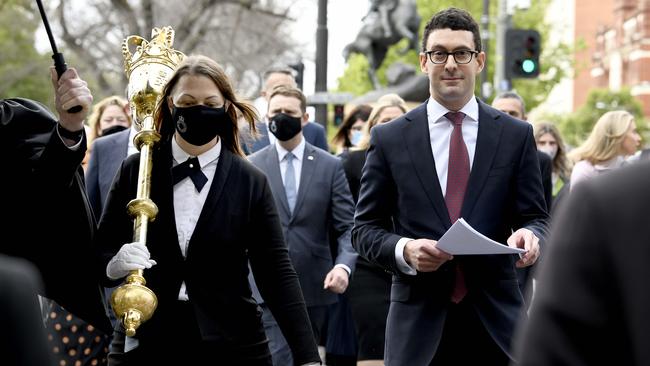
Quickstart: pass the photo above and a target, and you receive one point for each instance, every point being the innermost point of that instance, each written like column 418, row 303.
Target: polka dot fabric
column 73, row 342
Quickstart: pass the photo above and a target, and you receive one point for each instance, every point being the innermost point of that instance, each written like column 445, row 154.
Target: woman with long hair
column 216, row 215
column 351, row 130
column 549, row 141
column 613, row 137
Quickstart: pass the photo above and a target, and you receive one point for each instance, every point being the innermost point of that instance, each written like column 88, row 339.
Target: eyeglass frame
column 453, row 53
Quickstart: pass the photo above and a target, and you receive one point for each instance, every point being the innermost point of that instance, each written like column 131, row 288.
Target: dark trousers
column 182, row 344
column 465, row 341
column 318, row 319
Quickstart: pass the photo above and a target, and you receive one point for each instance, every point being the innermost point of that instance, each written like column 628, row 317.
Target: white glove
column 131, row 256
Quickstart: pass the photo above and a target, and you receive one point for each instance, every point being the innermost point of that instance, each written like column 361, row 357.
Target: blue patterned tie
column 290, row 182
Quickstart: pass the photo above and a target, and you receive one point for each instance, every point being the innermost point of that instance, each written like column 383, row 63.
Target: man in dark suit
column 22, row 335
column 451, row 157
column 47, row 219
column 591, row 306
column 312, row 195
column 512, row 104
column 313, row 133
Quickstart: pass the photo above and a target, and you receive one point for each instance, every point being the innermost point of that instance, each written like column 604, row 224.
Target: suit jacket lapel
column 487, row 141
column 418, row 143
column 309, row 162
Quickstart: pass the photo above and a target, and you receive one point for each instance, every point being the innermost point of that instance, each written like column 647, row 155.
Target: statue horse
column 388, row 22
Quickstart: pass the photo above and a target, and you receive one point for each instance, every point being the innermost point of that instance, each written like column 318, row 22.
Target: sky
column 343, row 24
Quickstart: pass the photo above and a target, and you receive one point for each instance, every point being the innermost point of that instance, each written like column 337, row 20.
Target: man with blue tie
column 313, row 132
column 451, row 157
column 314, row 202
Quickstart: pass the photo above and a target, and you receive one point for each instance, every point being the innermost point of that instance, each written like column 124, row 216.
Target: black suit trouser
column 465, row 341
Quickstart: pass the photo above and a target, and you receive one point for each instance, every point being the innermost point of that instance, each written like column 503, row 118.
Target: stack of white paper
column 461, row 238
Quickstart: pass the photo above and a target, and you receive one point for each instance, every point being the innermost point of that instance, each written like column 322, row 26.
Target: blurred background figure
column 351, row 130
column 109, row 115
column 21, row 330
column 591, row 306
column 613, row 138
column 369, row 293
column 549, row 141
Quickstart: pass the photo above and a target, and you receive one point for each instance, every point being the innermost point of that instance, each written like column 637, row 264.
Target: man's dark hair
column 454, row 19
column 513, row 95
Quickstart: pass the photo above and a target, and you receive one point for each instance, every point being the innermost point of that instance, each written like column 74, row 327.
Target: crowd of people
column 272, row 247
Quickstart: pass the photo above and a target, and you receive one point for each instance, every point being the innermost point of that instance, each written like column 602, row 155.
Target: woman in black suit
column 216, row 213
column 369, row 292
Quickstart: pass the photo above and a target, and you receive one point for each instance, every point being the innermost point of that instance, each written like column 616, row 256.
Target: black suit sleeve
column 342, row 214
column 371, row 235
column 277, row 280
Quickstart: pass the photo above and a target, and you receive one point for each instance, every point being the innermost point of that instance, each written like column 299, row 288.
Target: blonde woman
column 108, row 116
column 369, row 293
column 612, row 139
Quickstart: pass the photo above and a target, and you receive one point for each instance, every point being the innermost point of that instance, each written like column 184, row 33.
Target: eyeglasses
column 460, row 56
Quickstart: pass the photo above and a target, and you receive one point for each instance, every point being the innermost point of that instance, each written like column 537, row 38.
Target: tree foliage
column 23, row 71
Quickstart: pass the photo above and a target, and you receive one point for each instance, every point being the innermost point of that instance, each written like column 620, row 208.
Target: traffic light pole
column 501, row 81
column 321, row 61
column 485, row 39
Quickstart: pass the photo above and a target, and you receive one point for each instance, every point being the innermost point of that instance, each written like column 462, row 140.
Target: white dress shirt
column 440, row 129
column 299, row 153
column 188, row 202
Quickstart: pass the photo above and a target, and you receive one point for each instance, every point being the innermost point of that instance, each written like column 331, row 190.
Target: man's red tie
column 457, row 177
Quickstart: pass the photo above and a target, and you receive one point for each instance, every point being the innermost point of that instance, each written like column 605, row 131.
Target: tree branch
column 128, row 15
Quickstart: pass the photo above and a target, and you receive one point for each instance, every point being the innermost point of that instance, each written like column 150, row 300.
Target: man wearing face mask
column 512, row 104
column 314, row 202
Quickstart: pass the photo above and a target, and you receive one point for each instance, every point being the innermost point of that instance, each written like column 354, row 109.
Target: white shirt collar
column 204, row 159
column 298, row 151
column 437, row 111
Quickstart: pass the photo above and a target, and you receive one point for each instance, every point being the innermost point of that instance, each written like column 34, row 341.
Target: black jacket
column 47, row 216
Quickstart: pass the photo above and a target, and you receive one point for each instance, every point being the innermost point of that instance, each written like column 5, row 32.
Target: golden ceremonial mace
column 148, row 68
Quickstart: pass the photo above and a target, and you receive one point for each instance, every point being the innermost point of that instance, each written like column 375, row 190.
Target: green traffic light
column 528, row 66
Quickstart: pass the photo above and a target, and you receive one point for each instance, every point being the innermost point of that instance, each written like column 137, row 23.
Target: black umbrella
column 59, row 61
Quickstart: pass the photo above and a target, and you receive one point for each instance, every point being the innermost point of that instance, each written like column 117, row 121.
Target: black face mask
column 199, row 124
column 284, row 127
column 113, row 129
